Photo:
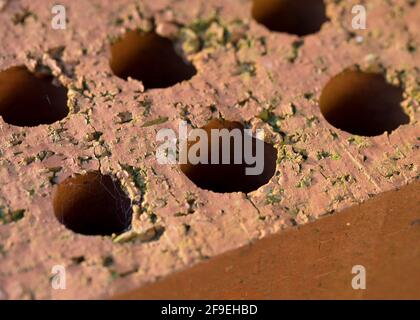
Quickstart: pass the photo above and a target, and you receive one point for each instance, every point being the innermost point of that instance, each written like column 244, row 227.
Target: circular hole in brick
column 230, row 176
column 362, row 103
column 31, row 99
column 149, row 58
column 92, row 204
column 299, row 17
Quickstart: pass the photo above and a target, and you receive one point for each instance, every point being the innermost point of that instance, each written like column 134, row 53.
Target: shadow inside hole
column 299, row 17
column 92, row 204
column 362, row 103
column 149, row 58
column 30, row 99
column 224, row 178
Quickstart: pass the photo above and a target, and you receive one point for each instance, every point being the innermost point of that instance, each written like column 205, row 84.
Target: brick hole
column 92, row 204
column 149, row 58
column 362, row 103
column 31, row 99
column 231, row 177
column 298, row 17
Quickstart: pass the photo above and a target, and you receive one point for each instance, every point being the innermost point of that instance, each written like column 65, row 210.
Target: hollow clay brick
column 269, row 80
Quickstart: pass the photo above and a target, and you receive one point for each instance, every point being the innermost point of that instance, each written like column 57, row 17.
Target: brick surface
column 269, row 80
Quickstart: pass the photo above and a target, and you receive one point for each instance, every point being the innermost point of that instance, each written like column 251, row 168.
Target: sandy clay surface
column 80, row 109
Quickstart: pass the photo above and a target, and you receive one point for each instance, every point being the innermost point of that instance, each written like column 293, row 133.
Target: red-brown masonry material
column 315, row 261
column 251, row 75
